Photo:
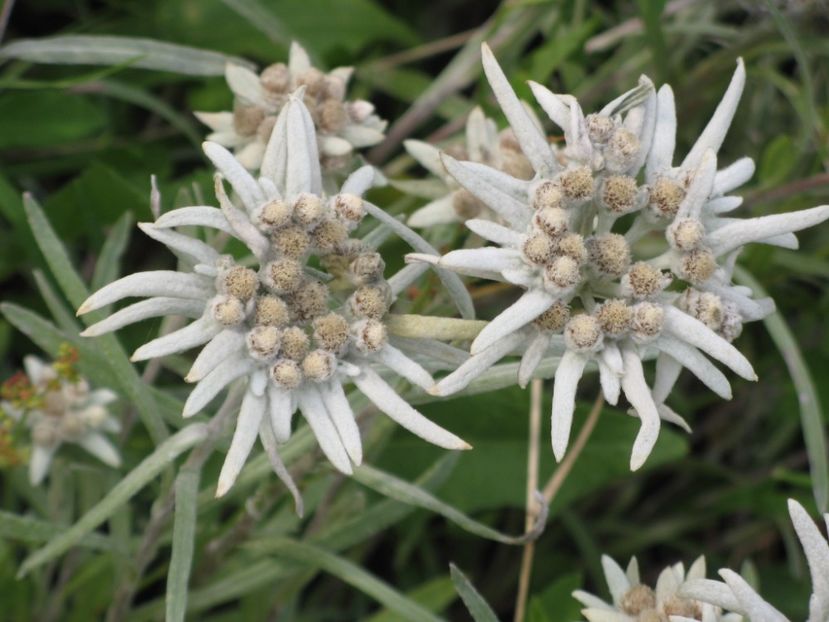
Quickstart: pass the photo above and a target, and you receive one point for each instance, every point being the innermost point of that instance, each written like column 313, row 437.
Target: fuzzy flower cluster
column 682, row 597
column 577, row 238
column 342, row 125
column 299, row 318
column 58, row 406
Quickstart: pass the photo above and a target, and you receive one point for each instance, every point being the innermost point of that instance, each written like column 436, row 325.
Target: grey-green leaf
column 475, row 603
column 184, row 534
column 113, row 50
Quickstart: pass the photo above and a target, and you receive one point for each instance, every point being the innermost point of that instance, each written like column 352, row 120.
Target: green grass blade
column 184, row 535
column 478, row 607
column 34, row 530
column 107, row 268
column 262, row 18
column 396, row 488
column 56, row 305
column 351, row 573
column 123, row 491
column 811, row 415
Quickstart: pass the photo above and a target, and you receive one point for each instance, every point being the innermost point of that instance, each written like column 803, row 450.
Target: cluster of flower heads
column 570, row 238
column 56, row 405
column 342, row 125
column 297, row 333
column 682, row 597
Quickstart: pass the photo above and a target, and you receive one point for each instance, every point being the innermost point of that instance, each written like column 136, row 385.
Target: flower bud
column 708, row 308
column 273, row 215
column 310, row 300
column 228, row 311
column 276, row 78
column 644, row 281
column 562, row 274
column 665, row 197
column 551, row 220
column 263, row 342
column 238, row 282
column 329, row 235
column 319, row 365
column 286, row 374
column 271, row 311
column 349, row 207
column 609, row 254
column 292, row 241
column 599, row 128
column 313, row 80
column 685, row 234
column 619, row 194
column 294, row 343
column 547, row 194
column 369, row 335
column 371, row 301
column 307, row 209
column 577, row 184
column 621, row 150
column 360, row 110
column 572, row 245
column 283, row 276
column 614, row 317
column 648, row 319
column 331, row 116
column 583, row 333
column 637, row 599
column 367, row 268
column 538, row 249
column 246, row 119
column 94, row 416
column 553, row 319
column 331, row 332
column 697, row 266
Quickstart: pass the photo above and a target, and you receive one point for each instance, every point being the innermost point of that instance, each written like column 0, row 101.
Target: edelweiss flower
column 59, row 407
column 634, row 601
column 590, row 295
column 737, row 595
column 342, row 125
column 484, row 145
column 297, row 334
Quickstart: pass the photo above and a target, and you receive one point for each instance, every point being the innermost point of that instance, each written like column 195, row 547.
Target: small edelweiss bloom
column 633, row 601
column 737, row 595
column 342, row 125
column 484, row 145
column 297, row 341
column 590, row 295
column 58, row 407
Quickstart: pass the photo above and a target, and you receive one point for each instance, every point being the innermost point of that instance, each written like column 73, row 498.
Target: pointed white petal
column 667, row 373
column 476, row 365
column 661, row 154
column 556, row 109
column 244, row 436
column 39, row 462
column 604, row 615
column 733, row 176
column 152, row 307
column 167, row 283
column 567, row 377
column 516, row 188
column 714, row 133
column 216, row 121
column 405, row 367
column 298, row 61
column 179, row 243
column 742, row 232
column 632, row 571
column 611, row 385
column 227, row 342
column 208, row 387
column 501, row 235
column 612, row 357
column 245, row 84
column 532, row 140
column 197, row 215
column 697, row 569
column 486, row 262
column 281, row 409
column 389, row 402
column 336, row 403
column 427, row 156
column 98, row 445
column 749, row 309
column 700, row 187
column 481, row 135
column 531, row 358
column 694, row 332
column 647, row 126
column 617, row 581
column 240, row 222
column 266, row 436
column 303, row 168
column 275, row 159
column 697, row 364
column 721, row 205
column 452, row 283
column 751, row 604
column 362, row 135
column 578, row 141
column 588, row 600
column 194, row 334
column 438, row 212
column 243, row 182
column 667, row 584
column 361, row 180
column 250, row 155
column 639, row 395
column 816, row 549
column 335, row 146
column 498, row 200
column 709, row 591
column 313, row 409
column 523, row 311
column 666, row 413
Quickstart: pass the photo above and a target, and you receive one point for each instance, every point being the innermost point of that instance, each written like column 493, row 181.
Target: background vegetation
column 85, row 140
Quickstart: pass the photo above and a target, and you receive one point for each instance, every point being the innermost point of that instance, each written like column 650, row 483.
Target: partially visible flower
column 298, row 336
column 736, row 594
column 58, row 406
column 483, row 144
column 633, row 601
column 342, row 125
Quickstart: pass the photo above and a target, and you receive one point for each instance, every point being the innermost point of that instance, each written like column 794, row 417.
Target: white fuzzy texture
column 194, row 334
column 567, row 377
column 164, row 283
column 523, row 311
column 315, row 413
column 342, row 416
column 152, row 307
column 243, row 182
column 639, row 395
column 244, row 436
